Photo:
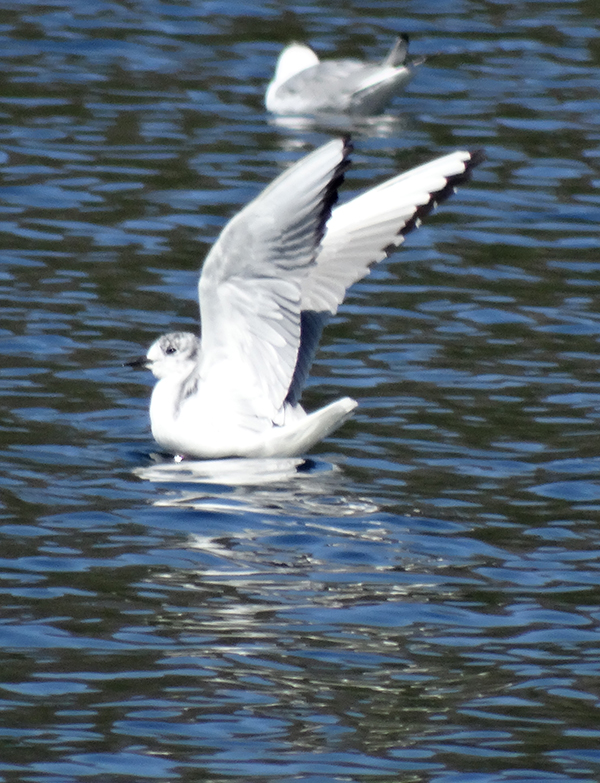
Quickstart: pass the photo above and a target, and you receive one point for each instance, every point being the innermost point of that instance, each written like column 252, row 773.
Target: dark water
column 421, row 601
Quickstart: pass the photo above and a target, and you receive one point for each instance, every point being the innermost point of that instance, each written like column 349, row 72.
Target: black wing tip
column 397, row 55
column 475, row 158
column 330, row 194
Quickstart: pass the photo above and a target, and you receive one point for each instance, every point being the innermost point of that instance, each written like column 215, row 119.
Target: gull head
column 294, row 58
column 175, row 353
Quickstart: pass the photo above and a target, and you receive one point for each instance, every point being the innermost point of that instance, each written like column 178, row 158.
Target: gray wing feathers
column 250, row 286
column 366, row 229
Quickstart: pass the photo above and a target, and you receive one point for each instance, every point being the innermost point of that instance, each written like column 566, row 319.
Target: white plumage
column 303, row 84
column 278, row 271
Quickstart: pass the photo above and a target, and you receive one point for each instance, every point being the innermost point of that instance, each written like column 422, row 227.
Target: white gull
column 303, row 84
column 276, row 274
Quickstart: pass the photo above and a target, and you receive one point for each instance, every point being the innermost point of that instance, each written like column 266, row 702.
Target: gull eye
column 170, row 350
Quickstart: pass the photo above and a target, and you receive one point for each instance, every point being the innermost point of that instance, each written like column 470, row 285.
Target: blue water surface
column 418, row 600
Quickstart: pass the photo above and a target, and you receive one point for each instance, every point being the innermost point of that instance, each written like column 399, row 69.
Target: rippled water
column 419, row 600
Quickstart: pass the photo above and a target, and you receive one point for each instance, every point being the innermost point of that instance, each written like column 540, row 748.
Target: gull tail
column 295, row 439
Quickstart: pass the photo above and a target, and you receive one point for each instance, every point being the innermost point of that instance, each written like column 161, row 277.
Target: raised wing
column 372, row 225
column 364, row 231
column 251, row 283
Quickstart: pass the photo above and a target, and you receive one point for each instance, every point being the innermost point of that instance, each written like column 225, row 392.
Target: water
column 418, row 602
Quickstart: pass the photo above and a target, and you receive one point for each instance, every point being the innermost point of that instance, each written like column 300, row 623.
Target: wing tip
column 397, row 55
column 477, row 157
column 452, row 182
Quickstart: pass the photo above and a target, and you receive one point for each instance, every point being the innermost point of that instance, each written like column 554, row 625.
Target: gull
column 276, row 274
column 304, row 85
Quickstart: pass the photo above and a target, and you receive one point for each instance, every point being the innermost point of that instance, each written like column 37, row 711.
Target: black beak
column 142, row 362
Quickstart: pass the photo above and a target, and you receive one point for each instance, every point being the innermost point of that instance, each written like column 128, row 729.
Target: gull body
column 303, row 84
column 276, row 274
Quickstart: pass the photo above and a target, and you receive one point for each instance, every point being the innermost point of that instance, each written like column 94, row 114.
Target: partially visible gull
column 276, row 274
column 303, row 84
